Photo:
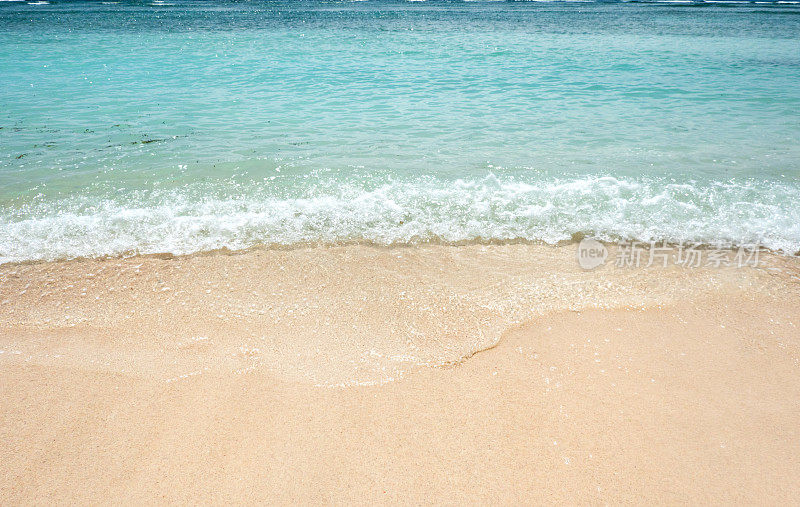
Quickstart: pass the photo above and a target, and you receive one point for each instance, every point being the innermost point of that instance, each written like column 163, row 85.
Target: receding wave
column 551, row 210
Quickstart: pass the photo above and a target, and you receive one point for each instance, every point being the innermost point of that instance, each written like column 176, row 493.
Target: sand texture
column 432, row 373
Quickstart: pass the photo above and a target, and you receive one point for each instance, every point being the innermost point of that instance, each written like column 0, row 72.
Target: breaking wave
column 199, row 218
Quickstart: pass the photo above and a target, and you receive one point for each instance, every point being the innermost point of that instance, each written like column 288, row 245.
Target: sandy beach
column 399, row 252
column 414, row 374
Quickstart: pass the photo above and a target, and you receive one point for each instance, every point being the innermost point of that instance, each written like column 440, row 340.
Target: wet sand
column 430, row 373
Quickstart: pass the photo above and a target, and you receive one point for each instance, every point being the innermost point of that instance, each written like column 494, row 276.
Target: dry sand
column 418, row 374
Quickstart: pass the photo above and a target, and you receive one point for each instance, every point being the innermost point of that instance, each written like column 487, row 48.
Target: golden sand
column 428, row 373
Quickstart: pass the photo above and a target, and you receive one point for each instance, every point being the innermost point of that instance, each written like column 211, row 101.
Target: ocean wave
column 550, row 210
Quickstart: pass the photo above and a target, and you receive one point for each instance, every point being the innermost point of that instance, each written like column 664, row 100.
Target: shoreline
column 491, row 242
column 424, row 373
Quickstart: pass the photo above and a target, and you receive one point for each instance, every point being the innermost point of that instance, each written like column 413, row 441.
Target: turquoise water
column 143, row 127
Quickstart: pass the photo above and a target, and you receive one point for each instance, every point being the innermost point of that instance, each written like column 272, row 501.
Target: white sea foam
column 406, row 212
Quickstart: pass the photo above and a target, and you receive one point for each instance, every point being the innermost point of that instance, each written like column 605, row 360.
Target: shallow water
column 187, row 126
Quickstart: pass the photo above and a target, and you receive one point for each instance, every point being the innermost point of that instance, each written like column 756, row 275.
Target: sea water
column 182, row 126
